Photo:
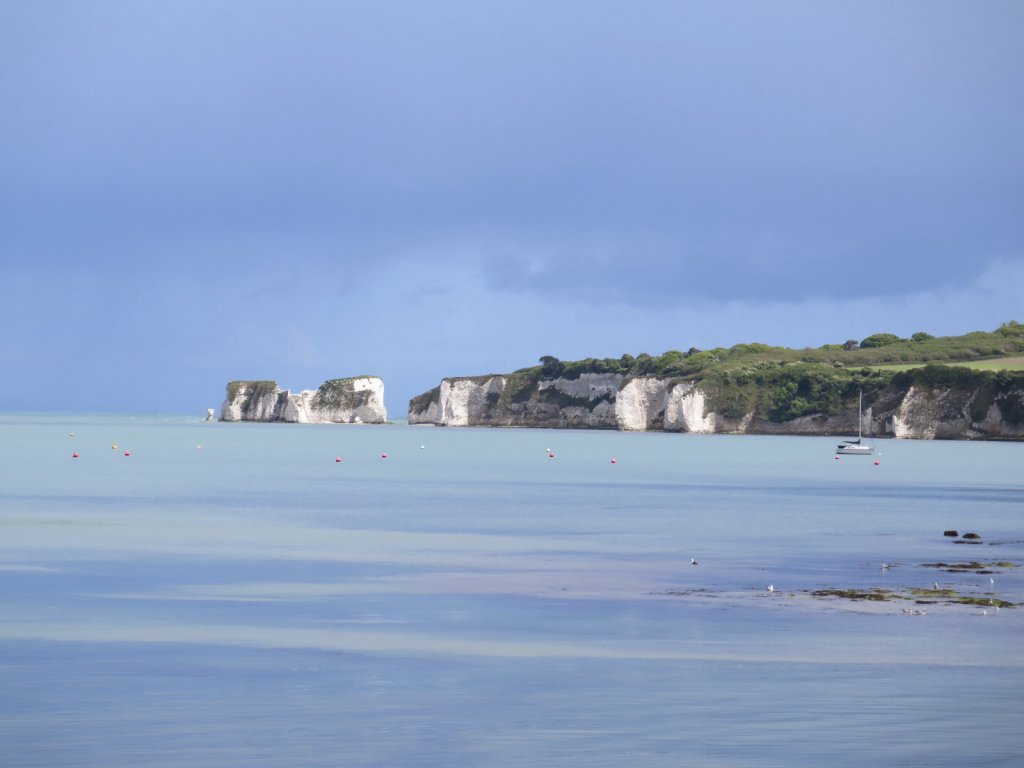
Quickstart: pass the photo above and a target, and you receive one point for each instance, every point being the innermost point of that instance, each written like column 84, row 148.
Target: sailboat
column 856, row 447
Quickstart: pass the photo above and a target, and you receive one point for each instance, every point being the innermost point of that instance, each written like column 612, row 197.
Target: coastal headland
column 924, row 387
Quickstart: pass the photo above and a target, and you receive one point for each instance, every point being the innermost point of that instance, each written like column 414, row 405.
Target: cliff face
column 614, row 401
column 503, row 401
column 955, row 413
column 357, row 400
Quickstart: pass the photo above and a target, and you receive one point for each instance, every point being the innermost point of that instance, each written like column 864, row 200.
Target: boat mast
column 860, row 411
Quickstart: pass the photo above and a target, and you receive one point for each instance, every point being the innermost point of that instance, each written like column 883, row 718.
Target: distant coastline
column 925, row 387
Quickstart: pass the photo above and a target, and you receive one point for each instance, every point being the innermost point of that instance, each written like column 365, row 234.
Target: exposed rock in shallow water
column 972, row 567
column 855, row 594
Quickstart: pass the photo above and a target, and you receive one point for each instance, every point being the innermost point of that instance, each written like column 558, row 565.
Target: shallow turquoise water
column 231, row 594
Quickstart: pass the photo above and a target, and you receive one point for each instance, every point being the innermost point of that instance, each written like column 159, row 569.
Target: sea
column 181, row 593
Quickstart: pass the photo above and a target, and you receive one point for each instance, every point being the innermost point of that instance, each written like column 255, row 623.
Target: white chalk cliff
column 950, row 414
column 645, row 403
column 358, row 400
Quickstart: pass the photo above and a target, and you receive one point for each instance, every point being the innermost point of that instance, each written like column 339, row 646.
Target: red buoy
column 614, row 461
column 337, row 459
column 837, row 457
column 383, row 455
column 127, row 453
column 877, row 462
column 74, row 455
column 551, row 455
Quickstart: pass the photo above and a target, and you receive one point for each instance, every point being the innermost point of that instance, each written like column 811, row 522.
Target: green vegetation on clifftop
column 877, row 349
column 779, row 384
column 341, row 393
column 256, row 389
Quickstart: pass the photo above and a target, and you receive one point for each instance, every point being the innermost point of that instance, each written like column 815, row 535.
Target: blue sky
column 194, row 192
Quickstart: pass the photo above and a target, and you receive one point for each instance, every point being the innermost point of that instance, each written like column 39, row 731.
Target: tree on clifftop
column 551, row 367
column 879, row 340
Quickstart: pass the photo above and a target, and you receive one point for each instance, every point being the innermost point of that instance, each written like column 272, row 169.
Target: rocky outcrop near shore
column 651, row 403
column 356, row 400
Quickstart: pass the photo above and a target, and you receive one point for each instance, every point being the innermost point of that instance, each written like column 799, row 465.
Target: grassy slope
column 874, row 351
column 998, row 364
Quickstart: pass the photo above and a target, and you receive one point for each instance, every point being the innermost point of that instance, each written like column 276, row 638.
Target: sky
column 201, row 191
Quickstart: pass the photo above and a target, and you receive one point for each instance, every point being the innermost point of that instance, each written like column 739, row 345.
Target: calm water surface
column 230, row 594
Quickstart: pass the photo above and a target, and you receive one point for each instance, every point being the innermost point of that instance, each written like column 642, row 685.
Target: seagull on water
column 692, row 561
column 771, row 587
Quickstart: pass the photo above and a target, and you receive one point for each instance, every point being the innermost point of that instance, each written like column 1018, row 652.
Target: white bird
column 771, row 587
column 885, row 566
column 935, row 585
column 692, row 561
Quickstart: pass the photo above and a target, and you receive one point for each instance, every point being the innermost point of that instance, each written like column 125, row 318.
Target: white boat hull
column 853, row 449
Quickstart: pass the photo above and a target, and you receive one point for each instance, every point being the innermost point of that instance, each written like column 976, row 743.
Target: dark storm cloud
column 633, row 152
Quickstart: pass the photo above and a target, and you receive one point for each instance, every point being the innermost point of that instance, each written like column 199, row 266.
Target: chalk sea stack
column 354, row 400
